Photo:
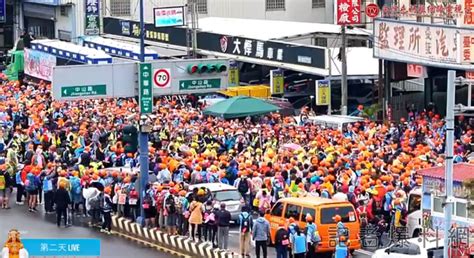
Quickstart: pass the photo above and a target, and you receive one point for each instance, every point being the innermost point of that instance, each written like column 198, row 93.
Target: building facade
column 318, row 11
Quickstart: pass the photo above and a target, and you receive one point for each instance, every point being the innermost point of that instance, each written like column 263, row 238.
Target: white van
column 330, row 121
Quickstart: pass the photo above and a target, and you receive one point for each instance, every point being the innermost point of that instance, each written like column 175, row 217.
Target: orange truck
column 323, row 211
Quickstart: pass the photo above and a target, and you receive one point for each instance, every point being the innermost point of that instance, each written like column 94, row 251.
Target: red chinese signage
column 348, row 12
column 416, row 71
column 443, row 11
column 468, row 17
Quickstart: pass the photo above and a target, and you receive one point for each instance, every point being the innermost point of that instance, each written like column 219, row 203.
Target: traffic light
column 206, row 68
column 220, row 68
column 130, row 138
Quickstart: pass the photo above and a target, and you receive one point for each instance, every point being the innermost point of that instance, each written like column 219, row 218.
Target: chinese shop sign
column 419, row 43
column 92, row 17
column 348, row 12
column 442, row 11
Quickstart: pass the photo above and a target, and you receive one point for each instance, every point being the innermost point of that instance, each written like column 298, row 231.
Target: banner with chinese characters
column 348, row 12
column 323, row 93
column 277, row 82
column 419, row 43
column 92, row 25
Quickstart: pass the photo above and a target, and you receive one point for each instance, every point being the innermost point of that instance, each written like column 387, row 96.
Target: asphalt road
column 234, row 245
column 39, row 225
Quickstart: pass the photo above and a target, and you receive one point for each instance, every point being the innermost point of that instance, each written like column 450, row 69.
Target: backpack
column 246, row 224
column 47, row 185
column 3, row 183
column 171, row 204
column 243, row 186
column 30, row 184
column 95, row 202
column 76, row 186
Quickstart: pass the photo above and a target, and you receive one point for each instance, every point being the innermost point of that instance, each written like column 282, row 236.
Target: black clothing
column 61, row 199
column 223, row 218
column 263, row 245
column 281, row 234
column 59, row 213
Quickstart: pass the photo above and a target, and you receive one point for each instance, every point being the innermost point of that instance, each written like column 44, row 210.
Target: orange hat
column 337, row 218
column 107, row 190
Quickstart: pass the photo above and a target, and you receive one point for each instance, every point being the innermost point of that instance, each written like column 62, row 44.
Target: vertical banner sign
column 3, row 11
column 146, row 89
column 277, row 82
column 323, row 93
column 92, row 17
column 234, row 79
column 348, row 12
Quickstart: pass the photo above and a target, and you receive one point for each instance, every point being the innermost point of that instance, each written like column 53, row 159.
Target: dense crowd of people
column 61, row 154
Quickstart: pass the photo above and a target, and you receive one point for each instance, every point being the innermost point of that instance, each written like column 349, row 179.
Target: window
column 309, row 211
column 437, row 204
column 322, row 42
column 201, row 6
column 63, row 10
column 274, row 5
column 293, row 211
column 277, row 209
column 461, row 209
column 224, row 196
column 346, row 212
column 414, row 203
column 319, row 3
column 120, row 7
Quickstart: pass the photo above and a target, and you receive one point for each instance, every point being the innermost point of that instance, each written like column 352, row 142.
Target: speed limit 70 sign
column 162, row 78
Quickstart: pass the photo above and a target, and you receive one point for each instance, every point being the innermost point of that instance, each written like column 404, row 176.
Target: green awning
column 240, row 106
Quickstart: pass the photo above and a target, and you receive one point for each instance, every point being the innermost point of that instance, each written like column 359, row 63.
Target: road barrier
column 180, row 244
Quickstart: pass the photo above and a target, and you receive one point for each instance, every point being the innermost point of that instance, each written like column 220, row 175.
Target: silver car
column 226, row 194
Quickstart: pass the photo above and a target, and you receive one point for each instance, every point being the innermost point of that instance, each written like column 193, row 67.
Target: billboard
column 39, row 64
column 168, row 16
column 419, row 43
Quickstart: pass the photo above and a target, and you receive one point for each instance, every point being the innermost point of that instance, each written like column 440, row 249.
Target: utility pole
column 143, row 136
column 191, row 33
column 344, row 72
column 330, row 80
column 448, row 177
